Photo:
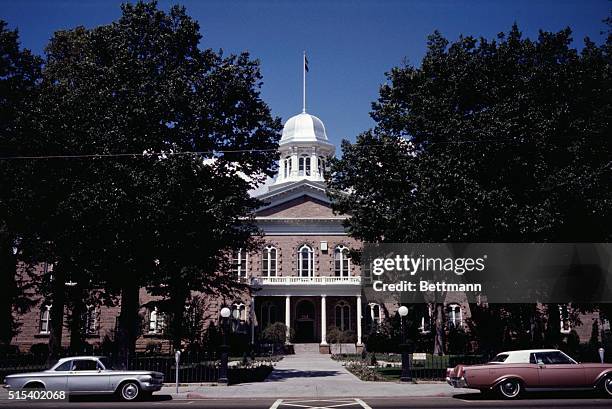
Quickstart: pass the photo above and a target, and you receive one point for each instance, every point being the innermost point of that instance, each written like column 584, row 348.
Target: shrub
column 364, row 372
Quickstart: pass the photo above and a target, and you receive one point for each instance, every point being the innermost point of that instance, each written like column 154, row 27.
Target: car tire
column 606, row 386
column 129, row 391
column 510, row 389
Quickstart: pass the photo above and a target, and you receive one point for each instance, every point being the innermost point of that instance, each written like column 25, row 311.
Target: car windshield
column 107, row 363
column 500, row 358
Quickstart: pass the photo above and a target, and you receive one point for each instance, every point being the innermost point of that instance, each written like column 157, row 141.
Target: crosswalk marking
column 319, row 403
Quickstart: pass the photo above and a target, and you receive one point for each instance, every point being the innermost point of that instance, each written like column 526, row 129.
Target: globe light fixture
column 225, row 312
column 403, row 311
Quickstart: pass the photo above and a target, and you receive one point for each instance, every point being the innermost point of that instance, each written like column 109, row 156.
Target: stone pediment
column 299, row 200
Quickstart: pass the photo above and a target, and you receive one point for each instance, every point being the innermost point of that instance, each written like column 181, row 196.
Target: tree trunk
column 128, row 323
column 177, row 303
column 77, row 330
column 8, row 271
column 58, row 299
column 439, row 335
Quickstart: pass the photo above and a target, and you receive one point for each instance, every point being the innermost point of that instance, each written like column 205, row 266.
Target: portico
column 311, row 306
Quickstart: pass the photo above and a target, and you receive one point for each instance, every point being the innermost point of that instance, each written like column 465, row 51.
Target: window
column 45, row 319
column 321, row 165
column 425, row 327
column 269, row 261
column 287, row 167
column 90, row 320
column 342, row 261
column 85, row 365
column 343, row 316
column 238, row 317
column 305, row 261
column 66, row 366
column 269, row 314
column 239, row 263
column 375, row 314
column 157, row 321
column 552, row 358
column 500, row 358
column 366, row 271
column 566, row 328
column 304, row 166
column 455, row 316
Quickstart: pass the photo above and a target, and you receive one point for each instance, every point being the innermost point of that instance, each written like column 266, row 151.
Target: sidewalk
column 312, row 375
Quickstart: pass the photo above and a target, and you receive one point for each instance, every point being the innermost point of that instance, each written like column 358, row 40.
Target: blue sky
column 350, row 44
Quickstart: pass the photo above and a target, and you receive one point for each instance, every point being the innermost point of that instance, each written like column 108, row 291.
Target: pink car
column 510, row 373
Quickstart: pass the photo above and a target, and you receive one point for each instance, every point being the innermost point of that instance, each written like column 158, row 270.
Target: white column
column 358, row 320
column 323, row 320
column 253, row 320
column 294, row 163
column 288, row 316
column 281, row 168
column 314, row 169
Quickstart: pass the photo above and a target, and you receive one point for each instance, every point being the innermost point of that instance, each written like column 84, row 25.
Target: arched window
column 425, row 327
column 239, row 263
column 90, row 320
column 45, row 319
column 343, row 316
column 321, row 165
column 455, row 315
column 305, row 261
column 238, row 317
column 564, row 316
column 157, row 321
column 269, row 261
column 269, row 314
column 342, row 261
column 287, row 166
column 304, row 166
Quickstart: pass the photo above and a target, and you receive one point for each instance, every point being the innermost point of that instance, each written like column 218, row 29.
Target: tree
column 19, row 81
column 141, row 91
column 503, row 140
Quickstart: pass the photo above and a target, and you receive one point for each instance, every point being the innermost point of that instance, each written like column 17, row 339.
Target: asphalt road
column 458, row 401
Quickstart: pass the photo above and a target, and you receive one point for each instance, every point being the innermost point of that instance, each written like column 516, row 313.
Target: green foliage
column 363, row 372
column 503, row 140
column 276, row 333
column 165, row 219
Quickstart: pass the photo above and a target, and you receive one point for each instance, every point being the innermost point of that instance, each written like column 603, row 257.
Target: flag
column 305, row 63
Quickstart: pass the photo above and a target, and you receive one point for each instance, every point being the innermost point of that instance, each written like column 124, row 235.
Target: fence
column 194, row 366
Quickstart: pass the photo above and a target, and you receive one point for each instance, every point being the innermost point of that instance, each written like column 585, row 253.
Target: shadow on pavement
column 280, row 374
column 477, row 396
column 112, row 398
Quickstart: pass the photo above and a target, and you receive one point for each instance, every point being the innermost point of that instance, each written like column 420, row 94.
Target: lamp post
column 405, row 347
column 225, row 313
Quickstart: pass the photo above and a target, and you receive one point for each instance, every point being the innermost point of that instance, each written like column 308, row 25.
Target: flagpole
column 304, row 82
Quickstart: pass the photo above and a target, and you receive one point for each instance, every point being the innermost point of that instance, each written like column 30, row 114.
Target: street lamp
column 404, row 346
column 225, row 313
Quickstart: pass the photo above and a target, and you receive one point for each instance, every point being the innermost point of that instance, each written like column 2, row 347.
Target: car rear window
column 500, row 358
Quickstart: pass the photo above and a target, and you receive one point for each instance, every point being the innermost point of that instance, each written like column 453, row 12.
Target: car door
column 557, row 370
column 87, row 376
column 57, row 378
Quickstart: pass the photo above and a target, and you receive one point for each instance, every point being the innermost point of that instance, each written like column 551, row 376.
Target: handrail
column 296, row 280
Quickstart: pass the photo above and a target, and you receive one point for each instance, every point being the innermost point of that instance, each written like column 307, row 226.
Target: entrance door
column 304, row 321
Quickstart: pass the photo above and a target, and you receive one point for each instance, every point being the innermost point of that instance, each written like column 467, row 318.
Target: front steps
column 307, row 348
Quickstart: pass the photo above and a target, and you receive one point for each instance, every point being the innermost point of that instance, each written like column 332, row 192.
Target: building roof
column 303, row 128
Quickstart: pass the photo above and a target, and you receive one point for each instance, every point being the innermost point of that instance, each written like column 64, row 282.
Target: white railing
column 293, row 280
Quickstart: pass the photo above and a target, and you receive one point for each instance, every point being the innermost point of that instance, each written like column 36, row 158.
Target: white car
column 89, row 375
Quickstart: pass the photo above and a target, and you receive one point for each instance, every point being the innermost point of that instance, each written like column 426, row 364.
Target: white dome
column 303, row 128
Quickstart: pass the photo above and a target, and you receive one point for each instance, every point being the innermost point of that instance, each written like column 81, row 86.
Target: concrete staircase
column 310, row 348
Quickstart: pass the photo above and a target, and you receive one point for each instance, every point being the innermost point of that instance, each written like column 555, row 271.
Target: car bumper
column 457, row 382
column 151, row 387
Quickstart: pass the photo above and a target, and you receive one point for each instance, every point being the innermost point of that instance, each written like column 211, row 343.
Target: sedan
column 89, row 375
column 510, row 373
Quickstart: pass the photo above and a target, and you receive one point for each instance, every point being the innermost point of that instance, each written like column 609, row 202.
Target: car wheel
column 510, row 389
column 129, row 391
column 606, row 386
